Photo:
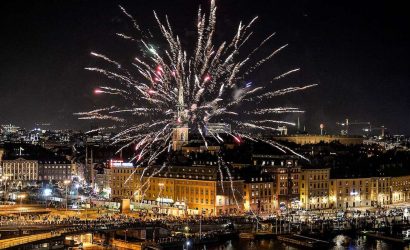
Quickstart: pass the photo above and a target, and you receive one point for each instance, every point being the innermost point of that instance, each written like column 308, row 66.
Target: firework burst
column 171, row 87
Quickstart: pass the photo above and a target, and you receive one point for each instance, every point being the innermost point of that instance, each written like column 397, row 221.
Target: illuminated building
column 179, row 137
column 259, row 193
column 314, row 188
column 381, row 190
column 314, row 139
column 20, row 169
column 122, row 183
column 350, row 193
column 191, row 189
column 10, row 129
column 199, row 147
column 400, row 188
column 58, row 170
column 285, row 174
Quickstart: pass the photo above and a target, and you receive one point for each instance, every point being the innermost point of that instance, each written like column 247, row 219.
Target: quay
column 382, row 236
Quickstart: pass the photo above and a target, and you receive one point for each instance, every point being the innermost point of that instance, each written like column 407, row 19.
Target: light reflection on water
column 341, row 243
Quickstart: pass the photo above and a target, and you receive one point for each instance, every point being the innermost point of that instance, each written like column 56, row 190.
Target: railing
column 12, row 242
column 7, row 243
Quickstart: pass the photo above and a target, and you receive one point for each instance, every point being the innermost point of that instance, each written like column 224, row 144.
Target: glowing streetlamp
column 47, row 192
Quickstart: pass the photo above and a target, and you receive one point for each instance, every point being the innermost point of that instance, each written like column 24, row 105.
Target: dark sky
column 358, row 51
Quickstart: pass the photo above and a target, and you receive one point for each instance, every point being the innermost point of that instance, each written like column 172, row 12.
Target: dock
column 391, row 238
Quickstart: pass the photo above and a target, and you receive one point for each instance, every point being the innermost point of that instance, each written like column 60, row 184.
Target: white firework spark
column 172, row 86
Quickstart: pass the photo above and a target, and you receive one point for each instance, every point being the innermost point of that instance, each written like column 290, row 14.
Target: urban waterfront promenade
column 39, row 225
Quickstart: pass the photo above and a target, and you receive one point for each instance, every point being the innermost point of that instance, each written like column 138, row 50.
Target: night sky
column 358, row 51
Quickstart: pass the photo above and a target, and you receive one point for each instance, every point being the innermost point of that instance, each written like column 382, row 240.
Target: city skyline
column 47, row 71
column 206, row 124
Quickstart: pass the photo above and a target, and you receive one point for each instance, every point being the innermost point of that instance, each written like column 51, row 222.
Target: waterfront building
column 285, row 173
column 400, row 189
column 192, row 189
column 314, row 188
column 381, row 191
column 350, row 193
column 259, row 196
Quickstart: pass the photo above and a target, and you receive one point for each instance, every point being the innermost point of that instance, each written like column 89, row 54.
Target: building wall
column 259, row 196
column 400, row 189
column 54, row 170
column 103, row 180
column 193, row 189
column 179, row 138
column 285, row 189
column 229, row 197
column 350, row 193
column 194, row 195
column 20, row 170
column 123, row 182
column 381, row 190
column 314, row 139
column 314, row 188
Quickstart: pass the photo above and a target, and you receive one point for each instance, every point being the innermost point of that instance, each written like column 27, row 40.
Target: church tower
column 180, row 135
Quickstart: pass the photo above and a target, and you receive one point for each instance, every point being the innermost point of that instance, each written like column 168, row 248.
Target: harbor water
column 340, row 242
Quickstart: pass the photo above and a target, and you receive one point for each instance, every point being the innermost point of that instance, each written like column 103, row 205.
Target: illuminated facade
column 20, row 169
column 199, row 148
column 314, row 139
column 381, row 191
column 122, row 180
column 285, row 174
column 179, row 137
column 57, row 170
column 400, row 189
column 286, row 185
column 350, row 193
column 195, row 190
column 259, row 194
column 314, row 188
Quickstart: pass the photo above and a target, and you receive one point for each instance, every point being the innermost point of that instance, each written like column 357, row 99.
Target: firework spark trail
column 279, row 110
column 276, row 122
column 172, row 86
column 285, row 74
column 279, row 92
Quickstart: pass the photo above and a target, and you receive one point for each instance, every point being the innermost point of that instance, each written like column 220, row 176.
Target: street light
column 66, row 182
column 21, row 197
column 47, row 192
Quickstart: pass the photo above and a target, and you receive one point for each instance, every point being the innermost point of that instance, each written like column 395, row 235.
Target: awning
column 164, row 200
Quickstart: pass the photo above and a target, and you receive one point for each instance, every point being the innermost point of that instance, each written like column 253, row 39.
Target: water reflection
column 341, row 242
